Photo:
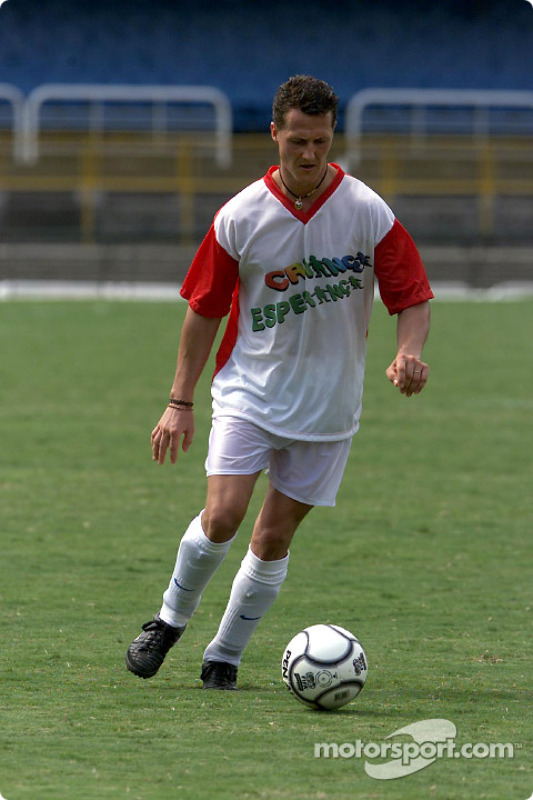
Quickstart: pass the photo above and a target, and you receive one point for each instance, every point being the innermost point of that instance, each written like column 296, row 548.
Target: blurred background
column 125, row 126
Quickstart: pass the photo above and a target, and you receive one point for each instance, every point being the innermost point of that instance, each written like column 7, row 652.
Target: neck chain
column 298, row 203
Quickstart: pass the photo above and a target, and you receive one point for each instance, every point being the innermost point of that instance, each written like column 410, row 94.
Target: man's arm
column 197, row 337
column 408, row 372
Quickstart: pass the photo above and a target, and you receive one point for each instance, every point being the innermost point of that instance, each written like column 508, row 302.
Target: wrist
column 179, row 404
column 181, row 391
column 409, row 351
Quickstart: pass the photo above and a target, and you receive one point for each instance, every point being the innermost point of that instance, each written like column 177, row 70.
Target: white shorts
column 310, row 472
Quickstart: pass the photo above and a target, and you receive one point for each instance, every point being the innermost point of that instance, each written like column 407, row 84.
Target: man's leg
column 256, row 585
column 205, row 545
column 276, row 524
column 201, row 551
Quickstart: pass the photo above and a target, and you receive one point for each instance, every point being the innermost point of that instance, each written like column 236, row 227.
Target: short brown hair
column 309, row 94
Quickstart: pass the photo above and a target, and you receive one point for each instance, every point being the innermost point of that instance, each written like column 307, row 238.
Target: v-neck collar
column 303, row 216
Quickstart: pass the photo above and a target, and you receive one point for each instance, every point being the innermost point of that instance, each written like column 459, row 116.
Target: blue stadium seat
column 247, row 49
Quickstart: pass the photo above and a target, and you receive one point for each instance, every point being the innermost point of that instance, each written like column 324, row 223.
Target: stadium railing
column 79, row 144
column 97, row 108
column 145, row 166
column 12, row 121
column 443, row 143
column 421, row 112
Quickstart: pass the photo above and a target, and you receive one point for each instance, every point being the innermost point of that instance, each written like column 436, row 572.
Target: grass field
column 427, row 557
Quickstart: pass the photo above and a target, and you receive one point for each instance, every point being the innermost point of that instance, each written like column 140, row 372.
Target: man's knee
column 221, row 522
column 270, row 545
column 226, row 505
column 276, row 524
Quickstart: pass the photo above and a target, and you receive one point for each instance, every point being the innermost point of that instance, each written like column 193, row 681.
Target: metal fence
column 97, row 109
column 111, row 164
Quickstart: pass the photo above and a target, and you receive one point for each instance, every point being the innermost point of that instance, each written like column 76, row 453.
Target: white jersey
column 300, row 287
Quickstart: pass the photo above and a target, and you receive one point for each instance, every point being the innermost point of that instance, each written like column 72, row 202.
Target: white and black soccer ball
column 324, row 666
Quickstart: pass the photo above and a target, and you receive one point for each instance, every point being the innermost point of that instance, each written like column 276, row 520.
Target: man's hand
column 173, row 425
column 197, row 336
column 408, row 373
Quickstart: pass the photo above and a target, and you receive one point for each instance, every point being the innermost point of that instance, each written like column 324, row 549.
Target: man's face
column 304, row 144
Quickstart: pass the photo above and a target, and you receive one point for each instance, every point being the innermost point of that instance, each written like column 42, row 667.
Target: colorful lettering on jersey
column 277, row 280
column 282, row 279
column 321, row 295
column 274, row 313
column 313, row 267
column 297, row 271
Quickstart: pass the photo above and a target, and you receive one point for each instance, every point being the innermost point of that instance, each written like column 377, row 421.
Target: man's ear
column 273, row 131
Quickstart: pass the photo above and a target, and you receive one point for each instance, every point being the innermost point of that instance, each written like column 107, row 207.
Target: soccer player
column 292, row 258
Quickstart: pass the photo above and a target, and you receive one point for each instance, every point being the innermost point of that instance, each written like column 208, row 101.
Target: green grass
column 427, row 557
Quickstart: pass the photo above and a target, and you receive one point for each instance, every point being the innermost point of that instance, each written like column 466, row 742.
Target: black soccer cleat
column 147, row 652
column 219, row 675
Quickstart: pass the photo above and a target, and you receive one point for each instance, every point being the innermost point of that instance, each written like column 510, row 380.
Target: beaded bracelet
column 182, row 403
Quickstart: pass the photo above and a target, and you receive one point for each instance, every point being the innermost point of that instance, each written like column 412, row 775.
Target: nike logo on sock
column 249, row 618
column 182, row 587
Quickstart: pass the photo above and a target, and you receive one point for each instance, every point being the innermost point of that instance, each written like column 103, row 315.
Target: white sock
column 255, row 587
column 197, row 561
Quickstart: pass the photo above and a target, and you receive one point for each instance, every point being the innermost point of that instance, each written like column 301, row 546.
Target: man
column 292, row 258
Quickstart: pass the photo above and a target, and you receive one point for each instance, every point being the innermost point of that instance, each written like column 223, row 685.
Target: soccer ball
column 324, row 666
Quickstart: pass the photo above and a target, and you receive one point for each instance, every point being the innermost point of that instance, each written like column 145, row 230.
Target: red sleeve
column 400, row 272
column 211, row 279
